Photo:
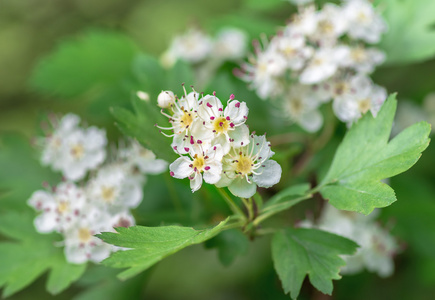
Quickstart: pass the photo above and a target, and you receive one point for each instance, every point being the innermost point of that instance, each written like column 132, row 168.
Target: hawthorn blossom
column 245, row 168
column 365, row 97
column 113, row 188
column 230, row 44
column 184, row 113
column 364, row 22
column 80, row 243
column 58, row 209
column 225, row 127
column 194, row 46
column 300, row 105
column 202, row 163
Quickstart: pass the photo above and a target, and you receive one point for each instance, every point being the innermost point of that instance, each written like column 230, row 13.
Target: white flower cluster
column 321, row 55
column 103, row 202
column 196, row 47
column 214, row 144
column 377, row 246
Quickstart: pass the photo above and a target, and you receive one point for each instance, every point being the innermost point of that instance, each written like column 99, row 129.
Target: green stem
column 272, row 210
column 231, row 204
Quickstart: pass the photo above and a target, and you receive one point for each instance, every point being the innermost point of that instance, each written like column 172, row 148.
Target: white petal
column 180, row 143
column 155, row 166
column 241, row 188
column 261, row 147
column 46, row 222
column 180, row 168
column 200, row 132
column 223, row 142
column 311, row 121
column 211, row 107
column 196, row 182
column 75, row 255
column 237, row 114
column 100, row 252
column 224, row 181
column 270, row 174
column 240, row 135
column 213, row 175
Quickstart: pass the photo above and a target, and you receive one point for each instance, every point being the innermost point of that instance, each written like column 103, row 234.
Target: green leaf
column 411, row 30
column 141, row 126
column 30, row 255
column 230, row 244
column 366, row 156
column 300, row 252
column 95, row 58
column 24, row 172
column 151, row 244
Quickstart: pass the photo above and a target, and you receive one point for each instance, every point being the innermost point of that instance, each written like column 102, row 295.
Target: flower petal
column 213, row 174
column 180, row 168
column 270, row 174
column 237, row 111
column 196, row 182
column 241, row 188
column 240, row 136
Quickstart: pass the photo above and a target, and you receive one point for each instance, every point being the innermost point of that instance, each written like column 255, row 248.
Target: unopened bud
column 165, row 99
column 143, row 96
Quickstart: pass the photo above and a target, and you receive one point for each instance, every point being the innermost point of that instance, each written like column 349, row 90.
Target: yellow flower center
column 326, row 26
column 84, row 235
column 220, row 125
column 77, row 151
column 358, row 55
column 198, row 163
column 63, row 207
column 296, row 105
column 341, row 88
column 186, row 119
column 108, row 193
column 364, row 105
column 244, row 165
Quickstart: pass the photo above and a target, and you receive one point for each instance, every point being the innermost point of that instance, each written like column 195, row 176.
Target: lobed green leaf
column 149, row 245
column 366, row 156
column 300, row 252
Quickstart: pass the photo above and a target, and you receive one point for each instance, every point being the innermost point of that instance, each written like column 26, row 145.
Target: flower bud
column 165, row 99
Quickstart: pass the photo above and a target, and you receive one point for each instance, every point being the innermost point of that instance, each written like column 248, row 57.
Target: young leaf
column 300, row 252
column 151, row 244
column 31, row 255
column 140, row 125
column 93, row 59
column 411, row 32
column 366, row 156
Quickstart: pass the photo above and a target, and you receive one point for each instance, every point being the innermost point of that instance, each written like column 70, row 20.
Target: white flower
column 230, row 44
column 264, row 72
column 364, row 97
column 330, row 25
column 184, row 112
column 225, row 127
column 60, row 209
column 52, row 153
column 202, row 162
column 80, row 243
column 165, row 99
column 294, row 50
column 113, row 188
column 364, row 22
column 362, row 60
column 300, row 105
column 246, row 167
column 84, row 150
column 322, row 65
column 143, row 159
column 193, row 46
column 304, row 22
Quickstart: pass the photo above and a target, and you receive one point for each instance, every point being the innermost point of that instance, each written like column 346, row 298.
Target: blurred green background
column 32, row 29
